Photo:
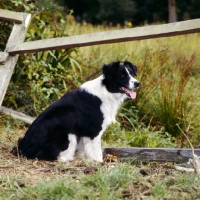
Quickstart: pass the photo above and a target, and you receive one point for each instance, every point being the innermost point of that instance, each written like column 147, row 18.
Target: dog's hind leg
column 68, row 154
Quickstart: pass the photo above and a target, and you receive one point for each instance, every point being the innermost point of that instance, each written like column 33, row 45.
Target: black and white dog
column 78, row 119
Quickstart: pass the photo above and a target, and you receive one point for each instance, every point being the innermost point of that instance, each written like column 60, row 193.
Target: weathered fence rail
column 141, row 33
column 16, row 46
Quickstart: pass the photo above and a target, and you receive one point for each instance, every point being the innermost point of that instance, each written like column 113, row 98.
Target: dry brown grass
column 34, row 171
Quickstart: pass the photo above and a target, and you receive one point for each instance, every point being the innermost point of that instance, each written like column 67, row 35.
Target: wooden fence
column 16, row 46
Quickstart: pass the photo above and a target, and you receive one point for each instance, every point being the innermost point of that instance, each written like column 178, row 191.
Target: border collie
column 78, row 119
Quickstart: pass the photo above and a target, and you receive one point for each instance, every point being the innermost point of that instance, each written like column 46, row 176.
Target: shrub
column 41, row 78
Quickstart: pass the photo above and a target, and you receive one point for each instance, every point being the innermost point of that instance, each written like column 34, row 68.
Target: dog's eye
column 122, row 76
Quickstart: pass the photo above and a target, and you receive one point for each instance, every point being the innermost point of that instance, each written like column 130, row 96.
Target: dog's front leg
column 92, row 148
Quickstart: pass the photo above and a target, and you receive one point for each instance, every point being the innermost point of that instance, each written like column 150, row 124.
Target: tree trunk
column 172, row 11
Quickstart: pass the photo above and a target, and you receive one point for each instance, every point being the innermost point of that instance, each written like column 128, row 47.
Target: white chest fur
column 110, row 101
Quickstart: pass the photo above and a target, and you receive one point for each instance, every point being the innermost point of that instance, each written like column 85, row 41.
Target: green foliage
column 105, row 182
column 134, row 133
column 139, row 137
column 41, row 78
column 56, row 190
column 150, row 137
column 5, row 26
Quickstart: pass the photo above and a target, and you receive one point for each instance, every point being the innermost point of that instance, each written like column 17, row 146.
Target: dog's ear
column 132, row 66
column 111, row 68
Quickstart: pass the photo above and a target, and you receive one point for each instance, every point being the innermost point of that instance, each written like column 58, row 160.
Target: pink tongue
column 131, row 93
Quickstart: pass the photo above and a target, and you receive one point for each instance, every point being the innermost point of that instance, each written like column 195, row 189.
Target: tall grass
column 167, row 95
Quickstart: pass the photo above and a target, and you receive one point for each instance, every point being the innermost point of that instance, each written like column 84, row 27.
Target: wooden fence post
column 17, row 36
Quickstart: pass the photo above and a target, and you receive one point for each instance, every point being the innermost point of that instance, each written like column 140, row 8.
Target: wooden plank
column 17, row 115
column 17, row 36
column 152, row 154
column 3, row 57
column 11, row 16
column 147, row 32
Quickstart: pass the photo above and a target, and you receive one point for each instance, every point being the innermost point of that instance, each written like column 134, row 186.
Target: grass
column 22, row 179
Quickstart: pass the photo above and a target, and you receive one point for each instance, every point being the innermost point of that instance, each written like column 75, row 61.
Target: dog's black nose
column 136, row 84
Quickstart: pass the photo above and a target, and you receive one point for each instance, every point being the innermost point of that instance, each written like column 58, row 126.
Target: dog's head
column 120, row 78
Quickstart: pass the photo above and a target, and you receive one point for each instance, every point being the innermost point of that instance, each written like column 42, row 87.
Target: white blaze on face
column 131, row 86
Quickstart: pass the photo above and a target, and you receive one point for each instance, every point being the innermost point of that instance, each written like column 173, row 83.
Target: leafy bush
column 41, row 78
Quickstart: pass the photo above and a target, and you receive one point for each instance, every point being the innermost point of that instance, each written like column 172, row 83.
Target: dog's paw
column 65, row 159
